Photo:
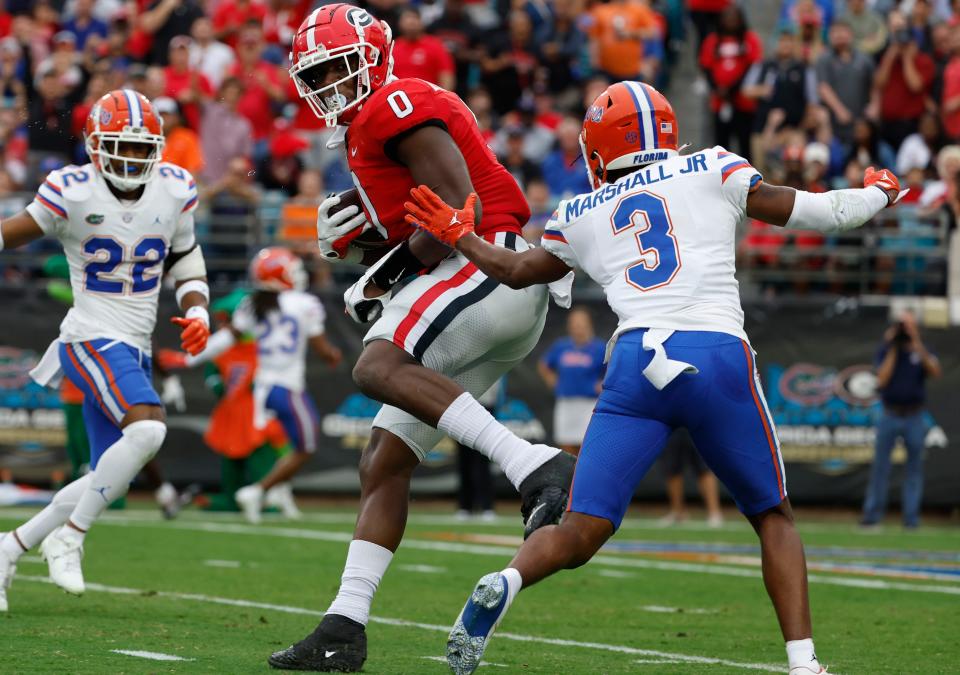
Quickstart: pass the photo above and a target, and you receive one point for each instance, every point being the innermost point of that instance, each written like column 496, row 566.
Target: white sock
column 119, row 465
column 366, row 564
column 468, row 422
column 514, row 583
column 53, row 516
column 801, row 653
column 11, row 547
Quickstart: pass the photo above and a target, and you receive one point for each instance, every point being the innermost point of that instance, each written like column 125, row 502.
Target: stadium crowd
column 839, row 86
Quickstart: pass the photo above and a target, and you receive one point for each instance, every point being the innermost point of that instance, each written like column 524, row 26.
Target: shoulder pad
column 75, row 182
column 177, row 181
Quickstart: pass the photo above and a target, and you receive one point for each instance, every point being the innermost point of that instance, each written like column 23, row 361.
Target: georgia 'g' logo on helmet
column 340, row 55
column 629, row 124
column 123, row 137
column 277, row 269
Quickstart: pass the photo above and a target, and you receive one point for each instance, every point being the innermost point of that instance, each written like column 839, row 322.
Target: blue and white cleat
column 481, row 615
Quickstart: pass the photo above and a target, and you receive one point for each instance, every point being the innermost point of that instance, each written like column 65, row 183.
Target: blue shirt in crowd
column 578, row 369
column 907, row 383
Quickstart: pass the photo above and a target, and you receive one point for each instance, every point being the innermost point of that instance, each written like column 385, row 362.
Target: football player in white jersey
column 658, row 233
column 125, row 220
column 285, row 321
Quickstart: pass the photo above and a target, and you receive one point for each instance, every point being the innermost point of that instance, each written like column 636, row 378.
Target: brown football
column 370, row 239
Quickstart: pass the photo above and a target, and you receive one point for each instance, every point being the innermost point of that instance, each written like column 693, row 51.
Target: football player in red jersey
column 442, row 331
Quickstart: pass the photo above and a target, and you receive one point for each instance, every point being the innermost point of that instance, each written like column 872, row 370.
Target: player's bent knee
column 141, row 412
column 384, row 458
column 145, row 438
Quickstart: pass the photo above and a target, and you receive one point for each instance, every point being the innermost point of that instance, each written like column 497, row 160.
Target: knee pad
column 145, row 438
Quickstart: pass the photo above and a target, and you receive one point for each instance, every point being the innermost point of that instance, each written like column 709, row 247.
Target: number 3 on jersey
column 645, row 215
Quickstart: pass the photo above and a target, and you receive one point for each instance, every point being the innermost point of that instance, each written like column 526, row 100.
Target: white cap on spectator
column 816, row 152
column 10, row 45
column 165, row 104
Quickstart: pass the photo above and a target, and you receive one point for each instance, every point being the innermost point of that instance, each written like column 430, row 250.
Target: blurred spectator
column 515, row 160
column 705, row 16
column 904, row 78
column 116, row 48
column 810, row 18
column 845, row 78
column 309, row 188
column 903, row 365
column 725, row 57
column 231, row 16
column 867, row 146
column 573, row 369
column 564, row 48
column 538, row 139
column 48, row 122
column 918, row 150
column 799, row 11
column 943, row 194
column 951, row 88
column 563, row 169
column 816, row 162
column 509, row 61
column 869, row 30
column 541, row 208
column 182, row 145
column 83, row 24
column 225, row 134
column 463, row 40
column 280, row 168
column 625, row 40
column 210, row 57
column 166, row 19
column 481, row 105
column 187, row 85
column 783, row 87
column 12, row 70
column 263, row 85
column 679, row 453
column 64, row 61
column 232, row 202
column 920, row 24
column 418, row 55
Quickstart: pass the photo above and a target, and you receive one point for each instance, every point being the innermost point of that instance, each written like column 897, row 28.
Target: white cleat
column 7, row 569
column 281, row 496
column 250, row 500
column 168, row 500
column 806, row 670
column 63, row 555
column 478, row 619
column 715, row 521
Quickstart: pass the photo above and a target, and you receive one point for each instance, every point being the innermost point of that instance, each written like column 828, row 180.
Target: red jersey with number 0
column 384, row 183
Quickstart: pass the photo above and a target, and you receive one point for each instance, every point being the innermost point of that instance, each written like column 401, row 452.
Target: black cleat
column 544, row 492
column 337, row 645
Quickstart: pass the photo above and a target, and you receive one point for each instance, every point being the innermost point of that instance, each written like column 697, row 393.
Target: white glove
column 173, row 394
column 331, row 227
column 360, row 308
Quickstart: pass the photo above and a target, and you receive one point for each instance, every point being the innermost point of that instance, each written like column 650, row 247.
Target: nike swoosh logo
column 328, row 654
column 534, row 512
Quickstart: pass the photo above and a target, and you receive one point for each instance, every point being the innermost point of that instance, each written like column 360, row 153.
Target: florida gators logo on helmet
column 630, row 124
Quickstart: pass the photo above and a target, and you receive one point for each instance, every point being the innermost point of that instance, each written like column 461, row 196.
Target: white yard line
column 423, row 569
column 153, row 656
column 508, row 551
column 658, row 609
column 517, row 637
column 229, row 564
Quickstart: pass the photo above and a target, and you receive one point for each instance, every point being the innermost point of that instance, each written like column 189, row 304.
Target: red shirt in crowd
column 707, row 5
column 951, row 90
column 898, row 101
column 180, row 81
column 255, row 103
column 727, row 61
column 425, row 58
column 232, row 14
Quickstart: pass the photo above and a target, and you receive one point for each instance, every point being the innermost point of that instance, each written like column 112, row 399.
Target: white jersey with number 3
column 661, row 241
column 115, row 249
column 282, row 337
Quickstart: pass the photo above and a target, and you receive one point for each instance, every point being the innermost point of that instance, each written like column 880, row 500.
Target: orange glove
column 194, row 331
column 886, row 181
column 171, row 359
column 445, row 223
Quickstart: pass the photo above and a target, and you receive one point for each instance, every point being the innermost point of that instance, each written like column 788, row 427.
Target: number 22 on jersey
column 106, row 254
column 645, row 216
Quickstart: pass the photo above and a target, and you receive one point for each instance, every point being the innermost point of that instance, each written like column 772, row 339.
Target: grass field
column 222, row 595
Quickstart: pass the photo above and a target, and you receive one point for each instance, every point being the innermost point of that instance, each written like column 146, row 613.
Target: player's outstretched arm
column 454, row 227
column 326, row 350
column 834, row 211
column 19, row 230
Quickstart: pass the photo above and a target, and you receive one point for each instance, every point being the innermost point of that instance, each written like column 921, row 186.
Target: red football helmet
column 344, row 39
column 277, row 269
column 118, row 119
column 629, row 124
